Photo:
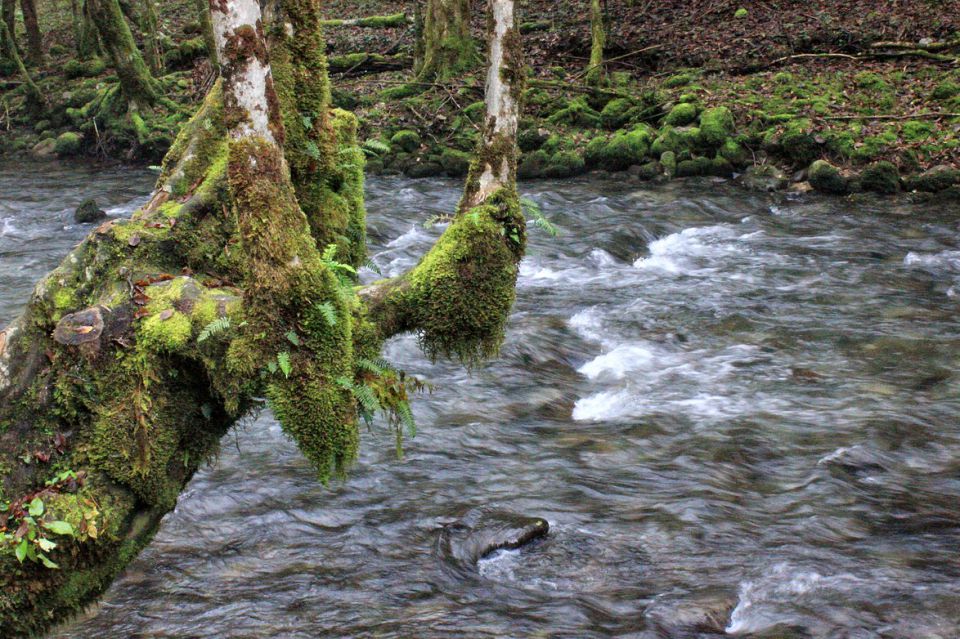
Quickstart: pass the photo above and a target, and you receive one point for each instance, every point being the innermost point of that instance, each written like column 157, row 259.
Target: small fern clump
column 379, row 388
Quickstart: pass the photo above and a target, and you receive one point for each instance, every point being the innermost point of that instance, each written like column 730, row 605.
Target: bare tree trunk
column 138, row 85
column 448, row 49
column 32, row 25
column 596, row 75
column 123, row 372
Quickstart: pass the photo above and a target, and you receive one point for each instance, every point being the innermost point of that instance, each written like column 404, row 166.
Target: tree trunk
column 9, row 14
column 136, row 82
column 32, row 26
column 34, row 96
column 596, row 75
column 150, row 25
column 448, row 49
column 88, row 43
column 134, row 356
column 203, row 15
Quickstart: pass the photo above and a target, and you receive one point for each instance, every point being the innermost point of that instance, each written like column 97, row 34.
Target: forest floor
column 854, row 82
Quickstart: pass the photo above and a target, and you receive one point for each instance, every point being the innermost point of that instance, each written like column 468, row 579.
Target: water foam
column 692, row 251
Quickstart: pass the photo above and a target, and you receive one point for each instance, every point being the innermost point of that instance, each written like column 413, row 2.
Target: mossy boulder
column 681, row 141
column 84, row 68
column 826, row 178
column 799, row 147
column 694, row 167
column 88, row 212
column 533, row 165
column 681, row 115
column 531, row 139
column 881, row 177
column 455, row 163
column 44, row 148
column 68, row 144
column 668, row 161
column 763, row 177
column 617, row 113
column 577, row 113
column 564, row 164
column 734, row 152
column 406, row 140
column 647, row 171
column 939, row 178
column 621, row 151
column 716, row 125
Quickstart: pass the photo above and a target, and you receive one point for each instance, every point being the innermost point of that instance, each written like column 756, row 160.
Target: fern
column 375, row 147
column 378, row 367
column 328, row 312
column 405, row 415
column 539, row 219
column 216, row 327
column 283, row 361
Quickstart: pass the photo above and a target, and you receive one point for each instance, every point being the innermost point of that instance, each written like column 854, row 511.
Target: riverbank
column 833, row 96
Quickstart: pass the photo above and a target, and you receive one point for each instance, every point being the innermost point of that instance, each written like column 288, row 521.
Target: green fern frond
column 328, row 312
column 216, row 327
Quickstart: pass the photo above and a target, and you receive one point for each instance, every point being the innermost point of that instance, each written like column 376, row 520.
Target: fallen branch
column 371, row 22
column 619, row 57
column 931, row 46
column 368, row 63
column 909, row 116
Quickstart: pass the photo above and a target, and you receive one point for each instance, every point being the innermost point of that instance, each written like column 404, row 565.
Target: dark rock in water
column 692, row 614
column 88, row 213
column 482, row 532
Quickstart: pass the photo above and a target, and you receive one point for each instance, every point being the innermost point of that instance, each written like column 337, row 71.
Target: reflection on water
column 739, row 414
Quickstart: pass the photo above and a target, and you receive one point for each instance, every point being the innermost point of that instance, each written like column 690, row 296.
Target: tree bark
column 150, row 25
column 9, row 14
column 596, row 75
column 448, row 49
column 34, row 95
column 134, row 356
column 138, row 85
column 88, row 43
column 32, row 25
column 206, row 26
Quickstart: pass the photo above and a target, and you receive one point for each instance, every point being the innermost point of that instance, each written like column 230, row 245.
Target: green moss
column 917, row 130
column 945, row 90
column 716, row 125
column 617, row 113
column 939, row 178
column 681, row 141
column 165, row 332
column 84, row 68
column 678, row 80
column 733, row 152
column 826, row 178
column 881, row 177
column 577, row 113
column 621, row 151
column 407, row 140
column 68, row 144
column 741, row 13
column 455, row 163
column 533, row 165
column 564, row 164
column 694, row 167
column 681, row 115
column 668, row 160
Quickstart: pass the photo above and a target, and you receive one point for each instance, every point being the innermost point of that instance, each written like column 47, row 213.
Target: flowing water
column 738, row 413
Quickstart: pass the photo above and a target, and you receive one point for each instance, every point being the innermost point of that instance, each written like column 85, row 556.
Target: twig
column 913, row 116
column 619, row 57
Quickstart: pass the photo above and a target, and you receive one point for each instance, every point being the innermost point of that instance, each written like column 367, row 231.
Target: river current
column 738, row 413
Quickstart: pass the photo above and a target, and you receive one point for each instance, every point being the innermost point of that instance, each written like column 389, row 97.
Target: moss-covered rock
column 617, row 113
column 621, row 151
column 694, row 167
column 84, row 68
column 455, row 163
column 764, row 178
column 88, row 212
column 564, row 164
column 648, row 171
column 939, row 178
column 668, row 160
column 531, row 138
column 826, row 178
column 577, row 113
column 734, row 152
column 406, row 140
column 681, row 141
column 681, row 115
column 881, row 177
column 533, row 165
column 716, row 125
column 799, row 146
column 68, row 144
column 424, row 169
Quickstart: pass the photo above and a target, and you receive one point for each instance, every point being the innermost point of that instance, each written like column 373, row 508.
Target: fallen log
column 354, row 64
column 371, row 22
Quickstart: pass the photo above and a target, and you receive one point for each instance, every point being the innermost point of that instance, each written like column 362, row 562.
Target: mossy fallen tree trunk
column 367, row 63
column 371, row 22
column 234, row 283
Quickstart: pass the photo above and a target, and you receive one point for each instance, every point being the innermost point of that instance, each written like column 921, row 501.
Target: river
column 738, row 412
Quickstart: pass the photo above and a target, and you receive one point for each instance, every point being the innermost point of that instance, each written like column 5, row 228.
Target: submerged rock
column 692, row 614
column 763, row 177
column 88, row 212
column 482, row 532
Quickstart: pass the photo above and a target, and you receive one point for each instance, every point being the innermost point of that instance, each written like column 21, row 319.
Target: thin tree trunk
column 596, row 75
column 32, row 25
column 203, row 14
column 448, row 49
column 34, row 96
column 88, row 41
column 138, row 85
column 9, row 15
column 150, row 25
